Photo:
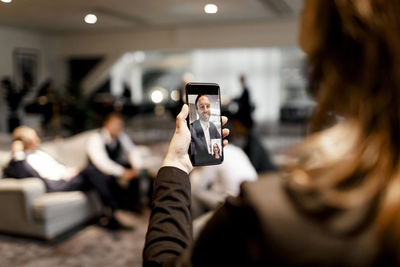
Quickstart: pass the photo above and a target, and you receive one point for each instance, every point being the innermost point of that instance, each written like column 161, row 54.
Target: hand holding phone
column 177, row 155
column 204, row 123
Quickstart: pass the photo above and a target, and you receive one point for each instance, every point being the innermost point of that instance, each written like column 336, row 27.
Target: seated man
column 29, row 161
column 112, row 153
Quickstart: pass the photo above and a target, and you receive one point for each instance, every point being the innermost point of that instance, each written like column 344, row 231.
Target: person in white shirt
column 212, row 184
column 112, row 152
column 29, row 161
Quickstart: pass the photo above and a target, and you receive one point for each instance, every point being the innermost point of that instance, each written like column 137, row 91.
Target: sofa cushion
column 69, row 151
column 59, row 205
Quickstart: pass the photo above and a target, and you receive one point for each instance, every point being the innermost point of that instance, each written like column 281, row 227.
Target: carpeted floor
column 90, row 245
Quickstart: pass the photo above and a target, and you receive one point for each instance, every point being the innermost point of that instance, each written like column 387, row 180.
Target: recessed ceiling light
column 6, row 1
column 90, row 19
column 210, row 9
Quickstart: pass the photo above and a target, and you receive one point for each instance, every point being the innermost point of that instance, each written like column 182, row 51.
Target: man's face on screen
column 203, row 108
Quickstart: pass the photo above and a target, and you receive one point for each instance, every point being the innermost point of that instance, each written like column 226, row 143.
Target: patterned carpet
column 90, row 245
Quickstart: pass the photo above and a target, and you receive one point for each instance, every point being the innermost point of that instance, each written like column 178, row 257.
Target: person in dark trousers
column 111, row 152
column 29, row 161
column 337, row 202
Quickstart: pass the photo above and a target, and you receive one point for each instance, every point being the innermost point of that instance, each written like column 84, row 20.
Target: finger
column 181, row 118
column 225, row 142
column 224, row 120
column 225, row 132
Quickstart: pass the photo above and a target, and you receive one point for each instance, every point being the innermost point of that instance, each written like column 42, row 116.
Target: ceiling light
column 90, row 19
column 6, row 1
column 210, row 9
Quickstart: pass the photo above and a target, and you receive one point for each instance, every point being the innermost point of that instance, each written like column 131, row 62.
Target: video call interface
column 205, row 126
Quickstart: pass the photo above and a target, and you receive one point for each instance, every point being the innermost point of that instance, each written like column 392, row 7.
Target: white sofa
column 26, row 208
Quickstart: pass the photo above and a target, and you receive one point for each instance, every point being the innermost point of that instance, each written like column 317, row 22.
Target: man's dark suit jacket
column 198, row 145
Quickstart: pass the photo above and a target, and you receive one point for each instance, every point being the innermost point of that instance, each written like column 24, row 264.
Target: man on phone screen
column 203, row 130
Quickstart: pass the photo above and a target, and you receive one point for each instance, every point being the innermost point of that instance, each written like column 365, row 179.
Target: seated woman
column 29, row 161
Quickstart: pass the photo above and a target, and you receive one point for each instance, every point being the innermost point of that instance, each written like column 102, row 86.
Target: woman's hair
column 354, row 59
column 215, row 144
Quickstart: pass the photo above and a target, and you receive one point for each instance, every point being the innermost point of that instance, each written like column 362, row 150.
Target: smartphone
column 204, row 123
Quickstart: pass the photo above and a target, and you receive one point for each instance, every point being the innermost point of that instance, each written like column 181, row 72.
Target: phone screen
column 204, row 123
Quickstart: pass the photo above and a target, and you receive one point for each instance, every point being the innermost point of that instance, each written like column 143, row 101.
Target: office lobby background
column 212, row 47
column 141, row 50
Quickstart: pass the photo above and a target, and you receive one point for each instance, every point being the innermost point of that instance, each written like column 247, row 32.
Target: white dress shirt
column 206, row 129
column 96, row 150
column 212, row 184
column 45, row 165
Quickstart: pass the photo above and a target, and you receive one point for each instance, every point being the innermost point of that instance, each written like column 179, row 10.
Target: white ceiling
column 63, row 15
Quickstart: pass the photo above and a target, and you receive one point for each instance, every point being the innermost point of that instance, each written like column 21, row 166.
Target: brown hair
column 355, row 63
column 113, row 115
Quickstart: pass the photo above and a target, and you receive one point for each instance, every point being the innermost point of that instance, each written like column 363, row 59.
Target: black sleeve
column 170, row 227
column 231, row 238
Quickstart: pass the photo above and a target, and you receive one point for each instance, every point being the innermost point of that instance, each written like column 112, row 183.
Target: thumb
column 181, row 118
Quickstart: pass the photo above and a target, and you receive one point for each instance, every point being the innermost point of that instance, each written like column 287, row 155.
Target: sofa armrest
column 16, row 197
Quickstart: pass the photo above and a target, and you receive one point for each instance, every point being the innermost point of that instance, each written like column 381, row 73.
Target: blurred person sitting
column 29, row 161
column 111, row 152
column 337, row 203
column 212, row 184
